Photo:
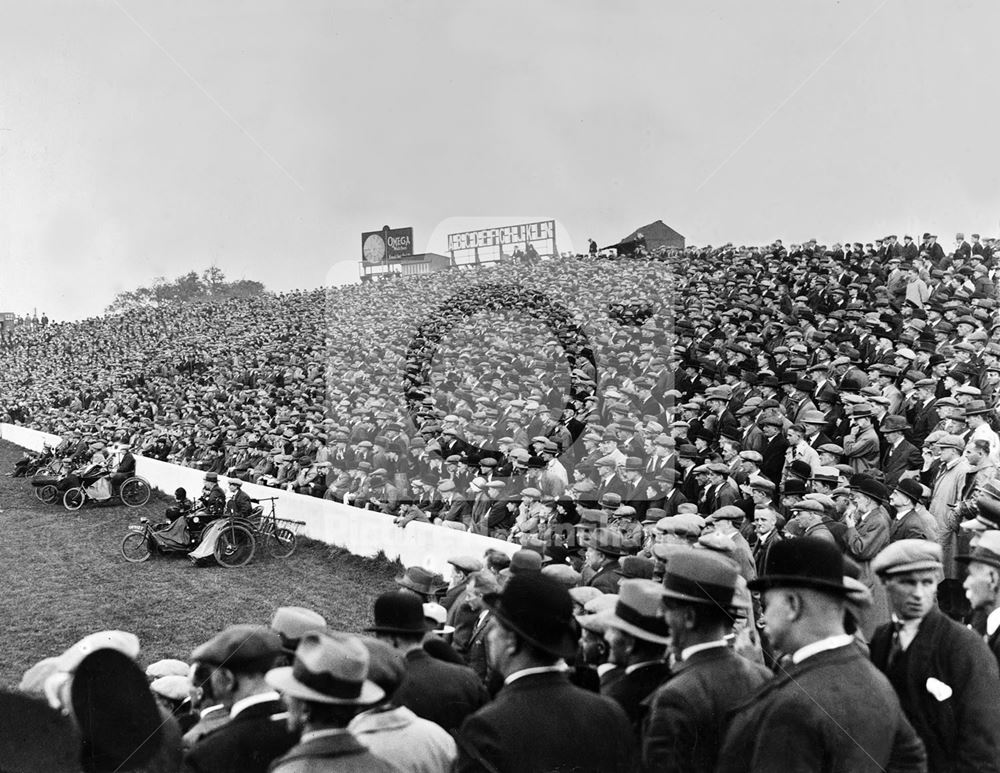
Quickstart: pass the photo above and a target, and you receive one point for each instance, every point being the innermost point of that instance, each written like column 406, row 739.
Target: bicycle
column 280, row 534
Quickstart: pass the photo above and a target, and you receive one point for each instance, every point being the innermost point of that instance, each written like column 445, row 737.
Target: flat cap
column 466, row 563
column 238, row 647
column 728, row 513
column 908, row 555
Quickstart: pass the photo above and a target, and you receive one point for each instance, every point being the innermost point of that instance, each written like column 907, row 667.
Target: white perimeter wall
column 361, row 532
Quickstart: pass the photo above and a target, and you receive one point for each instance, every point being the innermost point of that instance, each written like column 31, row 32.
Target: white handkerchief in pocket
column 938, row 689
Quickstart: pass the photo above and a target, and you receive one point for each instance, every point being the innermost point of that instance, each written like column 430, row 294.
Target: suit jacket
column 606, row 580
column 911, row 526
column 441, row 692
column 762, row 549
column 331, row 754
column 753, row 439
column 631, row 691
column 831, row 713
column 993, row 642
column 687, row 715
column 902, row 458
column 247, row 743
column 774, row 458
column 924, row 420
column 962, row 732
column 542, row 723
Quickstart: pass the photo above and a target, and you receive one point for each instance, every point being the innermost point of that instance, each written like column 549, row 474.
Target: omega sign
column 386, row 245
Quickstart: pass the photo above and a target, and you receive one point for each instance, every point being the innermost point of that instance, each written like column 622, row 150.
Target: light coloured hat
column 637, row 611
column 328, row 669
column 908, row 555
column 173, row 687
column 167, row 667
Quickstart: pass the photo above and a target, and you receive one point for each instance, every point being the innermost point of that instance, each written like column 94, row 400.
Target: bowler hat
column 399, row 611
column 540, row 610
column 911, row 488
column 869, row 487
column 803, row 562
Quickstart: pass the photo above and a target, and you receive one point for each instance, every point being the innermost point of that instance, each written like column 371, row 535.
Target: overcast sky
column 145, row 138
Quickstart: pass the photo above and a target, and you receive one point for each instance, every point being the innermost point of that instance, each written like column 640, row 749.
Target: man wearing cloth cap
column 539, row 722
column 324, row 689
column 687, row 714
column 947, row 491
column 241, row 656
column 944, row 674
column 637, row 638
column 982, row 585
column 829, row 709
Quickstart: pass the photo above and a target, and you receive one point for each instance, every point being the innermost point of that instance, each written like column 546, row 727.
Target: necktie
column 895, row 647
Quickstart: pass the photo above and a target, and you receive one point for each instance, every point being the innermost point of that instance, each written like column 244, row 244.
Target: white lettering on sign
column 512, row 234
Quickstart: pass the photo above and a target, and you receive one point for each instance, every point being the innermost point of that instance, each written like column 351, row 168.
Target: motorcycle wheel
column 235, row 546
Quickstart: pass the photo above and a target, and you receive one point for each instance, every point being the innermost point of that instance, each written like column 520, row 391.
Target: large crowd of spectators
column 734, row 462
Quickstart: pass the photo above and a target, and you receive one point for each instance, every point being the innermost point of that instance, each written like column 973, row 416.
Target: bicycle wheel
column 135, row 547
column 135, row 492
column 74, row 498
column 281, row 543
column 235, row 545
column 49, row 494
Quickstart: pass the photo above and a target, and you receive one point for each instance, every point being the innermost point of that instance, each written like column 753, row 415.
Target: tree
column 210, row 285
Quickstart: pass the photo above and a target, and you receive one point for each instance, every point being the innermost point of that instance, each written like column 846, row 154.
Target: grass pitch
column 62, row 576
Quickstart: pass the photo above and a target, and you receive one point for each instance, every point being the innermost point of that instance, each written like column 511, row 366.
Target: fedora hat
column 606, row 541
column 399, row 611
column 328, row 669
column 803, row 562
column 987, row 550
column 420, row 580
column 700, row 577
column 539, row 609
column 895, row 423
column 637, row 611
column 636, row 568
column 977, row 408
column 813, row 417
